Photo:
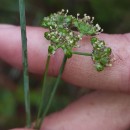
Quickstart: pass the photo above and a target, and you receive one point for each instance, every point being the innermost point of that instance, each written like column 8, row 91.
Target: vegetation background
column 113, row 16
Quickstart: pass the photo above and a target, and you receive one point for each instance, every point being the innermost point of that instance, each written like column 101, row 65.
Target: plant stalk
column 82, row 53
column 43, row 92
column 52, row 93
column 25, row 62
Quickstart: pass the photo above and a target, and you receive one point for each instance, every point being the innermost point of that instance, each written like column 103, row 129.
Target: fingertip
column 79, row 70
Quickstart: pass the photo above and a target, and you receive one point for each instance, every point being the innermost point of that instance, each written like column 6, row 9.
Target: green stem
column 82, row 53
column 43, row 92
column 53, row 92
column 25, row 62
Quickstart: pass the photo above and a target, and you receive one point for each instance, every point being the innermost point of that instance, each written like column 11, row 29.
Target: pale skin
column 108, row 108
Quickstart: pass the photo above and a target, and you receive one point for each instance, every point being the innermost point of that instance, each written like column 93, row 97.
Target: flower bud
column 99, row 67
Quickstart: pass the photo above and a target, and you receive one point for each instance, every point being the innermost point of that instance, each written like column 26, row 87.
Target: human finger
column 79, row 70
column 96, row 111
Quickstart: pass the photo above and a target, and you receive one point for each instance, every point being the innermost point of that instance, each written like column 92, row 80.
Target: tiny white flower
column 62, row 10
column 98, row 27
column 78, row 14
column 109, row 65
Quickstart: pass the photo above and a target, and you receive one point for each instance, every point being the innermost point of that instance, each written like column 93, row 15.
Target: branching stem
column 52, row 93
column 43, row 92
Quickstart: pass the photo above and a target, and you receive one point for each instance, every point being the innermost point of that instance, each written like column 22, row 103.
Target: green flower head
column 101, row 54
column 64, row 31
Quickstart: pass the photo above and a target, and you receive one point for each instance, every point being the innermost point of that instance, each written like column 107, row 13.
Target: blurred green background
column 112, row 15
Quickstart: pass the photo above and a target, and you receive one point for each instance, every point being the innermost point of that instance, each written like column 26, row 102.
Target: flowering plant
column 62, row 34
column 64, row 31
